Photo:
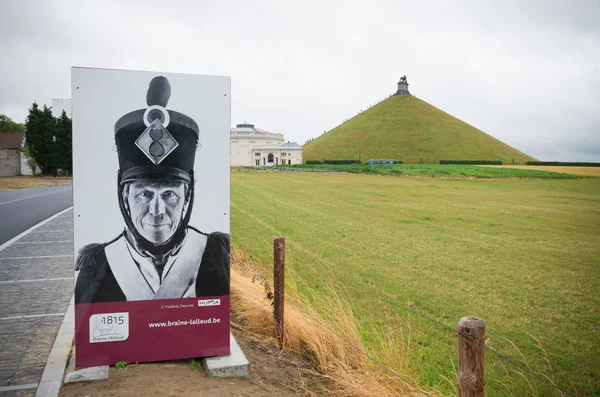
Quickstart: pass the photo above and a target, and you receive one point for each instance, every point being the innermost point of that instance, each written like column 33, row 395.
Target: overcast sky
column 525, row 72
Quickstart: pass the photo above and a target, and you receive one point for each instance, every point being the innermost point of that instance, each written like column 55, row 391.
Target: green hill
column 404, row 128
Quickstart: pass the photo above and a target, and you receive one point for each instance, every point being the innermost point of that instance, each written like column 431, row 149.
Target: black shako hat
column 160, row 144
column 156, row 143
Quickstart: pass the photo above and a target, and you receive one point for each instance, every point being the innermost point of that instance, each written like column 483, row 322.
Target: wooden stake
column 279, row 284
column 471, row 357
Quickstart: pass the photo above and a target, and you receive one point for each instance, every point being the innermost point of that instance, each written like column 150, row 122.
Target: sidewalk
column 36, row 285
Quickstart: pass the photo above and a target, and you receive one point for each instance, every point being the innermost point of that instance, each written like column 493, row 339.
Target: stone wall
column 10, row 162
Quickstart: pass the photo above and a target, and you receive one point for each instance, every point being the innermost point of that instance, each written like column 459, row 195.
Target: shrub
column 472, row 162
column 338, row 162
column 313, row 162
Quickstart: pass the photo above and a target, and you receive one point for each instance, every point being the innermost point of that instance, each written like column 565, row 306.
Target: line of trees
column 48, row 140
column 9, row 125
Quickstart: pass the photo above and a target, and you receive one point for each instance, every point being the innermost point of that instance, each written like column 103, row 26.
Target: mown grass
column 593, row 172
column 405, row 128
column 522, row 254
column 446, row 171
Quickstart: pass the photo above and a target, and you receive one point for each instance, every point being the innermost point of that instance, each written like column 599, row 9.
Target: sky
column 525, row 72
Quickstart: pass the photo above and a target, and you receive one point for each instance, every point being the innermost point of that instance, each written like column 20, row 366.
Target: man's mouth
column 157, row 226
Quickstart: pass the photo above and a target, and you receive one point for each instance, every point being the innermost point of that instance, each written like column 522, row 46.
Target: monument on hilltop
column 402, row 87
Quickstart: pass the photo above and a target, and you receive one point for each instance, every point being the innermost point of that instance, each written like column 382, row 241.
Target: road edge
column 31, row 229
column 59, row 354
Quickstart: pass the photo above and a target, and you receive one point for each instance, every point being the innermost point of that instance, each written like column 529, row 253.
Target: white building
column 60, row 104
column 251, row 146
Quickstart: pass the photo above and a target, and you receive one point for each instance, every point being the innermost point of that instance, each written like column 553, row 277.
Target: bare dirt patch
column 24, row 182
column 273, row 372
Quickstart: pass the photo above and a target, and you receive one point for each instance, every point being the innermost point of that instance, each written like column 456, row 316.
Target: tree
column 48, row 141
column 64, row 136
column 8, row 125
column 40, row 127
column 50, row 130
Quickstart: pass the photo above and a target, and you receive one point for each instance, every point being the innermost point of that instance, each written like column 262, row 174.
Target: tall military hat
column 156, row 143
column 159, row 144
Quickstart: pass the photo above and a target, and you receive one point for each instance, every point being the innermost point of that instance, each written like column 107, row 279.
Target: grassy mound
column 404, row 128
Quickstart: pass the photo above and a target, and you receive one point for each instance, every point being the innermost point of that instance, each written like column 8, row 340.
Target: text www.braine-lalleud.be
column 179, row 323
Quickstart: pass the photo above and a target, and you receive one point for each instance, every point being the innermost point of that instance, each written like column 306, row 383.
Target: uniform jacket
column 114, row 271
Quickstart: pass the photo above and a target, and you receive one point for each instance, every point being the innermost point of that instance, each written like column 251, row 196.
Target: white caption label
column 109, row 327
column 209, row 302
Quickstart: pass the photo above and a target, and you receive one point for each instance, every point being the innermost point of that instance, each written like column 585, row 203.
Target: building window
column 270, row 157
column 257, row 154
column 257, row 162
column 289, row 162
column 282, row 154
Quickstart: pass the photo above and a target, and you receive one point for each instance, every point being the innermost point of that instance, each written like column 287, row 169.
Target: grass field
column 405, row 128
column 446, row 171
column 24, row 182
column 593, row 172
column 522, row 254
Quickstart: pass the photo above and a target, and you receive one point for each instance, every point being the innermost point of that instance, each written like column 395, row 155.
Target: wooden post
column 471, row 357
column 279, row 284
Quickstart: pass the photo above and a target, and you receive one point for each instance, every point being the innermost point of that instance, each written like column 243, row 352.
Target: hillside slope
column 404, row 128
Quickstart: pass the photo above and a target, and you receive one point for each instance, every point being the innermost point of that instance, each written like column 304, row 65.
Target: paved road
column 21, row 209
column 36, row 285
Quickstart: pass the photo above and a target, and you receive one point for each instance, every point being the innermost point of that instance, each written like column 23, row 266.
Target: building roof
column 291, row 145
column 247, row 128
column 11, row 140
column 284, row 146
column 252, row 137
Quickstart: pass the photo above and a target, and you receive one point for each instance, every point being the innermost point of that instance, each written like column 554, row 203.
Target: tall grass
column 326, row 335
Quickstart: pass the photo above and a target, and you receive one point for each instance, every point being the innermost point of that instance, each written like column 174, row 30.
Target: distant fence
column 563, row 163
column 470, row 331
column 472, row 162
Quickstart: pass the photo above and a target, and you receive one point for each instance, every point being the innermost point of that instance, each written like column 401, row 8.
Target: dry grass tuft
column 311, row 332
column 25, row 182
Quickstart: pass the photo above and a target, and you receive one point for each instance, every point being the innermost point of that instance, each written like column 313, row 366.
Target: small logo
column 109, row 327
column 209, row 302
column 156, row 142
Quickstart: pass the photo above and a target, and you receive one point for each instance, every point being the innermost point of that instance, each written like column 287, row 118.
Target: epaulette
column 223, row 237
column 87, row 255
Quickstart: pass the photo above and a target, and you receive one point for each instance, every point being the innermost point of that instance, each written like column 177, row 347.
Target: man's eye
column 145, row 194
column 169, row 195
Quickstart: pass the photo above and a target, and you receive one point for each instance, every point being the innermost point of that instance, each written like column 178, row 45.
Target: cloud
column 522, row 72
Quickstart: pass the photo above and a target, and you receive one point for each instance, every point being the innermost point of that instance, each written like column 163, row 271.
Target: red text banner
column 151, row 330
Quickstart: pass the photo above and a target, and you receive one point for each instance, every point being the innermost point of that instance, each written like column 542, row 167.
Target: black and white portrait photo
column 152, row 195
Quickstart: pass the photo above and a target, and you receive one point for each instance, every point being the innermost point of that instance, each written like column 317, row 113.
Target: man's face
column 156, row 208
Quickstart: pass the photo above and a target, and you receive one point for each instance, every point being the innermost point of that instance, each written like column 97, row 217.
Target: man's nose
column 157, row 206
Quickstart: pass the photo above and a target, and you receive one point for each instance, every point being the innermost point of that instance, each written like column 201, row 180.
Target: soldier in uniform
column 158, row 255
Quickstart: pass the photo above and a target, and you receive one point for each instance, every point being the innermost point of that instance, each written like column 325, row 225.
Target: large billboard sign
column 151, row 215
